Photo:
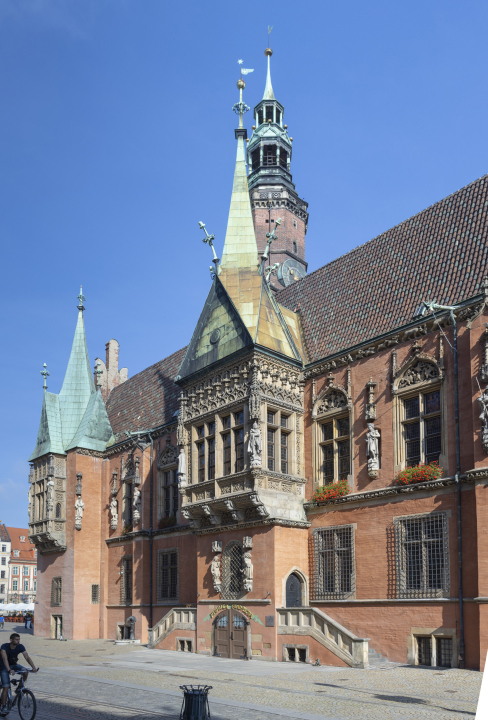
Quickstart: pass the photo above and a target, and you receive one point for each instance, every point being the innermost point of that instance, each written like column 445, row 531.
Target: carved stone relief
column 370, row 405
column 114, row 514
column 373, row 450
column 421, row 371
column 255, row 446
column 247, row 572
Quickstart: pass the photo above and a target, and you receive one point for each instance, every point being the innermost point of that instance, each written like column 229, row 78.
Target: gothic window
column 127, row 502
column 168, row 493
column 126, row 580
column 239, row 440
column 278, row 441
column 335, row 447
column 56, row 591
column 201, row 452
column 167, row 575
column 232, row 586
column 422, row 555
column 334, row 573
column 211, row 449
column 58, row 510
column 422, row 427
column 293, row 591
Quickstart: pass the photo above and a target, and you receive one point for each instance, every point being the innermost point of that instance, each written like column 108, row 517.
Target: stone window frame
column 226, row 572
column 95, row 594
column 317, row 593
column 290, row 430
column 218, row 432
column 319, row 418
column 304, row 579
column 126, row 589
column 401, row 558
column 56, row 591
column 401, row 394
column 434, row 634
column 159, row 570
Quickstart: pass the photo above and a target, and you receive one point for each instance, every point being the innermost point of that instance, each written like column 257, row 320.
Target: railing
column 175, row 619
column 336, row 638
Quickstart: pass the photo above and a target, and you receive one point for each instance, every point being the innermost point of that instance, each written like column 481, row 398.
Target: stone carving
column 371, row 405
column 50, row 495
column 217, row 546
column 255, row 447
column 79, row 509
column 181, row 474
column 114, row 483
column 167, row 456
column 373, row 450
column 231, row 509
column 79, row 478
column 207, row 511
column 136, row 505
column 216, row 570
column 131, row 624
column 419, row 372
column 484, row 365
column 247, row 572
column 247, row 543
column 483, row 401
column 114, row 515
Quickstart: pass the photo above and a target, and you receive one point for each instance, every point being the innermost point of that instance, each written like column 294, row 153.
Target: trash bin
column 195, row 702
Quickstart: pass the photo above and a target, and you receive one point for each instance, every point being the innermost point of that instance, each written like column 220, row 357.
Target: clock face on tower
column 290, row 271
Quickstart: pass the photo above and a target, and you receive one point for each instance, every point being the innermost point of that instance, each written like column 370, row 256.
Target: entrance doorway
column 56, row 627
column 231, row 635
column 293, row 591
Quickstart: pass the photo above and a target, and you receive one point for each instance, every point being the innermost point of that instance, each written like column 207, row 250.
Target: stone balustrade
column 175, row 619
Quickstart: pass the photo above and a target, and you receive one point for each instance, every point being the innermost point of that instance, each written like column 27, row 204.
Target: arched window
column 293, row 591
column 58, row 510
column 232, row 576
column 295, row 250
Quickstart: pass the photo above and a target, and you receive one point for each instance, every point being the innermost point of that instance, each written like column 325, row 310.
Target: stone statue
column 114, row 514
column 131, row 624
column 181, row 474
column 247, row 571
column 50, row 495
column 79, row 509
column 373, row 450
column 136, row 504
column 216, row 575
column 255, row 445
column 483, row 401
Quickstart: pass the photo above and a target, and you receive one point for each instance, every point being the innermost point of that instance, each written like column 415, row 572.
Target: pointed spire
column 240, row 249
column 268, row 90
column 78, row 382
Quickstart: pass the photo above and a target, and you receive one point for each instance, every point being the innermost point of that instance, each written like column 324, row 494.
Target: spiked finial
column 268, row 90
column 271, row 236
column 240, row 108
column 209, row 239
column 98, row 373
column 44, row 373
column 81, row 300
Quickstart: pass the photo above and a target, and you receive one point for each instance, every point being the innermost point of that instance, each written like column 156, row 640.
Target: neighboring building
column 23, row 567
column 186, row 501
column 4, row 562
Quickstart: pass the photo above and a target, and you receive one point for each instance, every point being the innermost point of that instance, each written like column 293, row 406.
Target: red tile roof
column 26, row 548
column 4, row 536
column 440, row 254
column 148, row 399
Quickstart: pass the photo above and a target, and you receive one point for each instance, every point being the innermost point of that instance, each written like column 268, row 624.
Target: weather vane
column 209, row 239
column 45, row 373
column 240, row 108
column 271, row 270
column 270, row 27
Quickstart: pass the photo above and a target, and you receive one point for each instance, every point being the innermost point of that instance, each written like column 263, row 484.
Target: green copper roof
column 78, row 384
column 94, row 431
column 49, row 436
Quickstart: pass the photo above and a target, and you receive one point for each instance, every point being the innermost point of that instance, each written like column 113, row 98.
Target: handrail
column 178, row 618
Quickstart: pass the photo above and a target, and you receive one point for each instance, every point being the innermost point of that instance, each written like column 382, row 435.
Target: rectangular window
column 26, row 585
column 271, row 449
column 278, row 441
column 15, row 570
column 227, row 453
column 4, row 548
column 15, row 585
column 4, row 561
column 35, row 572
column 35, row 585
column 422, row 428
column 211, row 458
column 334, row 573
column 167, row 575
column 126, row 580
column 56, row 591
column 226, row 422
column 95, row 594
column 422, row 555
column 16, row 553
column 2, row 574
column 2, row 589
column 201, row 461
column 239, row 449
column 284, row 452
column 25, row 570
column 336, row 449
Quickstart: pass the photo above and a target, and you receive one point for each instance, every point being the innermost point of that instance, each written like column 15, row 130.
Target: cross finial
column 45, row 373
column 209, row 239
column 98, row 372
column 81, row 300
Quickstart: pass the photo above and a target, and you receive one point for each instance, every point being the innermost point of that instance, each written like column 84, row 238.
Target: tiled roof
column 148, row 399
column 440, row 254
column 4, row 536
column 26, row 548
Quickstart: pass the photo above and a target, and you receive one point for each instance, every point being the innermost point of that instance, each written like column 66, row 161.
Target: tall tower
column 272, row 191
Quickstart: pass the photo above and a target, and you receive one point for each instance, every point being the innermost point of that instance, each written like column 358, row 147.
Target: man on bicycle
column 9, row 653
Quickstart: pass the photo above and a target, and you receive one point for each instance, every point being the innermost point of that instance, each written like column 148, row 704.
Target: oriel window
column 239, row 440
column 201, row 453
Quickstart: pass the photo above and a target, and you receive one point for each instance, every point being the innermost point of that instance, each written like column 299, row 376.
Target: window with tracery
column 232, row 575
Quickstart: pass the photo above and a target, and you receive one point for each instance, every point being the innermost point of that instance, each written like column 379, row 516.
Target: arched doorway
column 293, row 591
column 231, row 635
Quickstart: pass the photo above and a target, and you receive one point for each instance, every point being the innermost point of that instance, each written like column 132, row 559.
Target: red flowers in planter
column 127, row 529
column 332, row 491
column 165, row 522
column 419, row 473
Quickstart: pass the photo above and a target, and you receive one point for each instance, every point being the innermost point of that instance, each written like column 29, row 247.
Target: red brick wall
column 286, row 233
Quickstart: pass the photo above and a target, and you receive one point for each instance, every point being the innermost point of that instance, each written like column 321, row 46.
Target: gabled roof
column 94, row 431
column 146, row 400
column 49, row 435
column 4, row 536
column 440, row 254
column 26, row 548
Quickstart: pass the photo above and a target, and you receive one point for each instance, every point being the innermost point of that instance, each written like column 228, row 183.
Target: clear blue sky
column 117, row 137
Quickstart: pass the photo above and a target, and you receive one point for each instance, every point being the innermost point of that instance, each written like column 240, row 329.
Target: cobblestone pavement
column 97, row 680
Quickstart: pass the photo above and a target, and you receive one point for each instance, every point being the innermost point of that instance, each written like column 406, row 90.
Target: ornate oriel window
column 219, row 446
column 232, row 575
column 422, row 555
column 334, row 564
column 331, row 434
column 278, row 441
column 167, row 575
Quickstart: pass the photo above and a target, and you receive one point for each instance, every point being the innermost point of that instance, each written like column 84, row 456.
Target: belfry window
column 422, row 428
column 269, row 113
column 260, row 116
column 269, row 155
column 334, row 440
column 278, row 116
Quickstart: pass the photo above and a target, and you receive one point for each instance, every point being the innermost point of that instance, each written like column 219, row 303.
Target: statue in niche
column 373, row 450
column 79, row 509
column 114, row 514
column 50, row 494
column 247, row 571
column 136, row 503
column 181, row 474
column 255, row 445
column 216, row 573
column 483, row 401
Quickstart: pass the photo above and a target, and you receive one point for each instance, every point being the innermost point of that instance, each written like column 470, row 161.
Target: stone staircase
column 377, row 660
column 175, row 619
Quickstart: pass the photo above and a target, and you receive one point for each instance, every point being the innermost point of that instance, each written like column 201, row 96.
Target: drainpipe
column 451, row 309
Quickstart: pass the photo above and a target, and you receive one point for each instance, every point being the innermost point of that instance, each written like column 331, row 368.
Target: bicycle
column 26, row 702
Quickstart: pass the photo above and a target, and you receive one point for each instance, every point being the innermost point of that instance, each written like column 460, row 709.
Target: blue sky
column 117, row 137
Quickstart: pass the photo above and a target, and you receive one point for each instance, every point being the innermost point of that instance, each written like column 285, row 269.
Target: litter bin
column 195, row 702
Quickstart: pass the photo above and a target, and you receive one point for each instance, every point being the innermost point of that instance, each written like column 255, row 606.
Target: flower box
column 418, row 474
column 332, row 491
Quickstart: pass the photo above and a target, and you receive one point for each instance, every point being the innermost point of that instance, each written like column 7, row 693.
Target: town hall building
column 261, row 494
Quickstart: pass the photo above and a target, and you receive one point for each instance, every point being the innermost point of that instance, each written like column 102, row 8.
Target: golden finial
column 268, row 52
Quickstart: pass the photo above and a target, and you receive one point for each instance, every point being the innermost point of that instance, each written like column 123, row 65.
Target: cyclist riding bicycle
column 9, row 653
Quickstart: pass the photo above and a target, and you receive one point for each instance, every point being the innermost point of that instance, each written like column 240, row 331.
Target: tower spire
column 268, row 90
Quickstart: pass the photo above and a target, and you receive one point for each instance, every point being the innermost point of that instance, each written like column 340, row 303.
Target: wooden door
column 238, row 636
column 293, row 591
column 222, row 634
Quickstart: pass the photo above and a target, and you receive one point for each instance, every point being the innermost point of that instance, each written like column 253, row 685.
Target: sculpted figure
column 50, row 494
column 131, row 624
column 483, row 401
column 181, row 474
column 247, row 571
column 79, row 509
column 255, row 445
column 216, row 576
column 114, row 514
column 372, row 450
column 136, row 503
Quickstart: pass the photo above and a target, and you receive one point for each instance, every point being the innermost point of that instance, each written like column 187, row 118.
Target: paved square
column 97, row 680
